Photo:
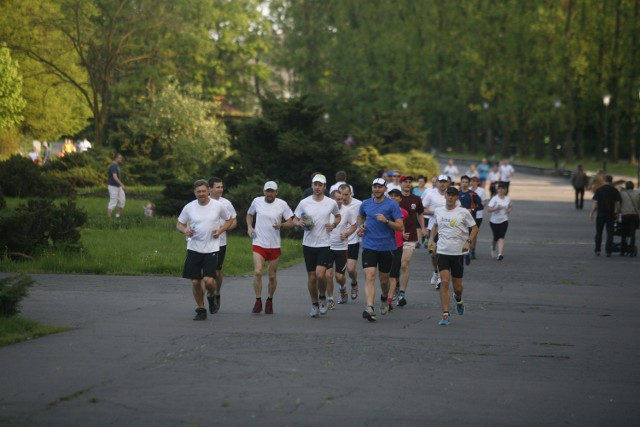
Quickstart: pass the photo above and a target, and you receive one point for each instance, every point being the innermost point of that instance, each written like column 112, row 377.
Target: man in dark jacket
column 606, row 202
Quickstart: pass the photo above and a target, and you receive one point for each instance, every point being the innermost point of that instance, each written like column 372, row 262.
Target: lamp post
column 556, row 156
column 487, row 142
column 605, row 151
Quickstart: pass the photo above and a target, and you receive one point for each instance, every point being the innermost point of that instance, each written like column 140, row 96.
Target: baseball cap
column 395, row 192
column 379, row 181
column 443, row 178
column 406, row 177
column 452, row 190
column 270, row 185
column 319, row 178
column 389, row 173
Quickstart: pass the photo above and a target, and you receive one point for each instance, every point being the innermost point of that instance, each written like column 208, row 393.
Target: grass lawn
column 15, row 329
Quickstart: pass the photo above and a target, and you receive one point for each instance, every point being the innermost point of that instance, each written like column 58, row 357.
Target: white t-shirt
column 229, row 207
column 337, row 185
column 348, row 218
column 453, row 229
column 320, row 211
column 501, row 215
column 204, row 220
column 493, row 176
column 451, row 172
column 351, row 208
column 506, row 171
column 432, row 200
column 392, row 186
column 483, row 196
column 266, row 215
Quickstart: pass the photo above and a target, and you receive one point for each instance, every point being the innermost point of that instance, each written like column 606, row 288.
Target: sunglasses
column 396, row 176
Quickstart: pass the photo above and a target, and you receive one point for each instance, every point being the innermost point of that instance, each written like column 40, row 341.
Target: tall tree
column 11, row 101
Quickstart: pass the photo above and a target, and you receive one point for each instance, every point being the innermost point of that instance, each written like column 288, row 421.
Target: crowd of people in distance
column 41, row 151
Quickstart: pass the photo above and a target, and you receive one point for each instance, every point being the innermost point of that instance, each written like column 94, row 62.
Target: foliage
column 11, row 101
column 10, row 141
column 40, row 224
column 175, row 195
column 180, row 132
column 288, row 143
column 20, row 177
column 413, row 162
column 12, row 290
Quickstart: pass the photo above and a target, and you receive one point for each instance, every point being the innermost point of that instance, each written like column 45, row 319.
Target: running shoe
column 354, row 290
column 369, row 314
column 384, row 305
column 493, row 251
column 331, row 304
column 460, row 308
column 257, row 307
column 268, row 308
column 500, row 257
column 344, row 296
column 444, row 321
column 323, row 306
column 216, row 304
column 201, row 314
column 314, row 311
column 212, row 304
column 435, row 277
column 402, row 301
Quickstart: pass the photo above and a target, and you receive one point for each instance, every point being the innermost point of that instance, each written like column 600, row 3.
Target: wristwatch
column 469, row 241
column 387, row 222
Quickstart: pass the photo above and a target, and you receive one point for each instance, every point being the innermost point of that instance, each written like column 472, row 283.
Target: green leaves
column 11, row 101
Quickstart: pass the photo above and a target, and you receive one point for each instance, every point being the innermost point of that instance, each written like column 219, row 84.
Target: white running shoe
column 384, row 307
column 323, row 307
column 434, row 278
column 493, row 251
column 314, row 311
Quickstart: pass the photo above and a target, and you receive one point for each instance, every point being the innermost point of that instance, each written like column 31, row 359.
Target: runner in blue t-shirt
column 378, row 217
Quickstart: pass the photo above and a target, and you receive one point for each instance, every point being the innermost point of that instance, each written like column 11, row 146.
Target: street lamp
column 487, row 143
column 605, row 100
column 556, row 156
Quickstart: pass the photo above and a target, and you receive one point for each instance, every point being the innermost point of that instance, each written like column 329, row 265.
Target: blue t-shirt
column 113, row 168
column 483, row 171
column 378, row 236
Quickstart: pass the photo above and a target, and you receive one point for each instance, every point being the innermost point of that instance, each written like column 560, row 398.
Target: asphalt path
column 551, row 336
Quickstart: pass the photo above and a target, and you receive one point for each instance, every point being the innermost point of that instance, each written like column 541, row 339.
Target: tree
column 11, row 101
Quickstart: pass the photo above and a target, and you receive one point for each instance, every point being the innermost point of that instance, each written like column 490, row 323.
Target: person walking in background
column 451, row 171
column 380, row 217
column 351, row 205
column 216, row 189
column 483, row 172
column 199, row 221
column 117, row 198
column 606, row 203
column 494, row 180
column 630, row 205
column 455, row 228
column 313, row 215
column 506, row 173
column 270, row 214
column 500, row 207
column 579, row 180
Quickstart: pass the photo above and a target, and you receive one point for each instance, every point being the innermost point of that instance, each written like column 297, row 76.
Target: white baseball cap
column 319, row 178
column 379, row 181
column 443, row 178
column 270, row 185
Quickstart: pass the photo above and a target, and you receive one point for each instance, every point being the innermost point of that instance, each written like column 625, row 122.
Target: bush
column 12, row 290
column 39, row 224
column 175, row 195
column 21, row 177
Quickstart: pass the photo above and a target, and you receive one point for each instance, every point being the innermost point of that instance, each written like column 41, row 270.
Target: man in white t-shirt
column 313, row 214
column 351, row 204
column 451, row 171
column 432, row 200
column 216, row 189
column 456, row 229
column 199, row 221
column 339, row 246
column 270, row 214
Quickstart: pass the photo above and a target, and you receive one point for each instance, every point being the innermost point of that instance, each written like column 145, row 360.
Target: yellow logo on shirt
column 452, row 222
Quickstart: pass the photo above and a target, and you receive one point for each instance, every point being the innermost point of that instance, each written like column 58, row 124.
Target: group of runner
column 386, row 228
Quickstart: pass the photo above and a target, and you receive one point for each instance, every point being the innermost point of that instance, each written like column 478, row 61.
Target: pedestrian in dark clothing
column 606, row 202
column 579, row 180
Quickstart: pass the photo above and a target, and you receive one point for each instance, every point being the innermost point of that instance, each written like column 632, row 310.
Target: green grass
column 15, row 329
column 135, row 245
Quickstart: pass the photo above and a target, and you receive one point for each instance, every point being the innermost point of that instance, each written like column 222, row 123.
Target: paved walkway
column 550, row 337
